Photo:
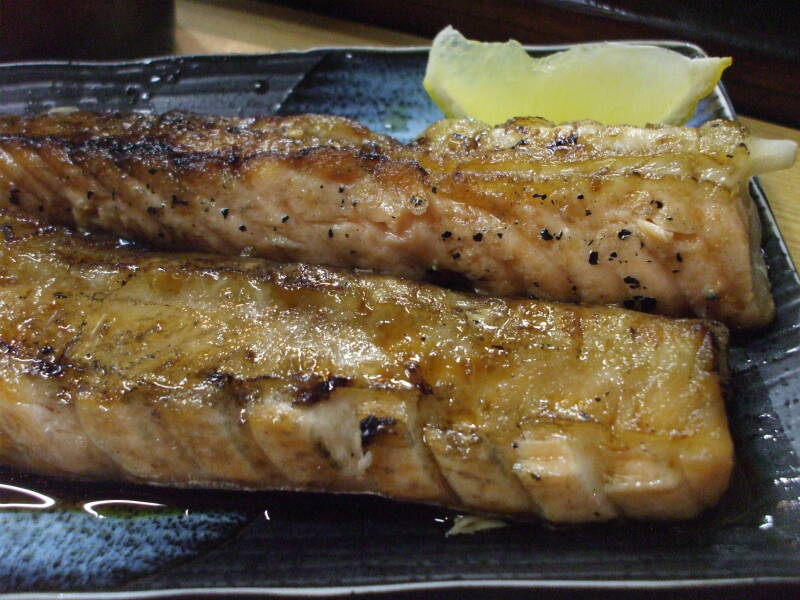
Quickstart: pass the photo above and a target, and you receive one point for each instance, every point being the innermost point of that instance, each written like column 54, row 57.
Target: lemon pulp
column 610, row 82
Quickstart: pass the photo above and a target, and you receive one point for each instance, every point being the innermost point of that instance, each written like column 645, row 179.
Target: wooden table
column 217, row 26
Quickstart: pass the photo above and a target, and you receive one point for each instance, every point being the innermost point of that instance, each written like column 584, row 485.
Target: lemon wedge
column 610, row 82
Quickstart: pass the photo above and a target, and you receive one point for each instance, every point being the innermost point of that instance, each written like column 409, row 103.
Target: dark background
column 85, row 29
column 761, row 36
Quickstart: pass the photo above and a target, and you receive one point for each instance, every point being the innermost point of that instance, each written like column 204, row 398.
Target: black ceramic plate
column 139, row 541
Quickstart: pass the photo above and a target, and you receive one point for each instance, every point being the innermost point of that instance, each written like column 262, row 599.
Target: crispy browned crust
column 656, row 218
column 194, row 370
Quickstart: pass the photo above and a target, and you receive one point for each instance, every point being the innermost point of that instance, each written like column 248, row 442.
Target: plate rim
column 388, row 588
column 144, row 60
column 760, row 199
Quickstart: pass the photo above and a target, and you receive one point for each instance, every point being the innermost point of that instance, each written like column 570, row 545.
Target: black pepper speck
column 593, row 257
column 632, row 282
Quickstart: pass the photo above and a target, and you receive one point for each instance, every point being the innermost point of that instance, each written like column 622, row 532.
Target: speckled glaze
column 325, row 543
column 201, row 371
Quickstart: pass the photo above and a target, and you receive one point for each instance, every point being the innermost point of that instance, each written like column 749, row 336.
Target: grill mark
column 124, row 150
column 311, row 388
column 179, row 126
column 163, row 154
column 183, row 127
column 58, row 364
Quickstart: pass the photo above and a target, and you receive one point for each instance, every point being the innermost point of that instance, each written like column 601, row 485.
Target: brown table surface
column 240, row 26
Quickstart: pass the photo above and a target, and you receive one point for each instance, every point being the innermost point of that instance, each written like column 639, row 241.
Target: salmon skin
column 657, row 219
column 200, row 370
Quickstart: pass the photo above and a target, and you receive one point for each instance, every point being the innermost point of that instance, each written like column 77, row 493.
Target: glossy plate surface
column 80, row 538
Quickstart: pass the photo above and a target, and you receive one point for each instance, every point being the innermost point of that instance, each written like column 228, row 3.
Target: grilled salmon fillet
column 656, row 218
column 202, row 370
